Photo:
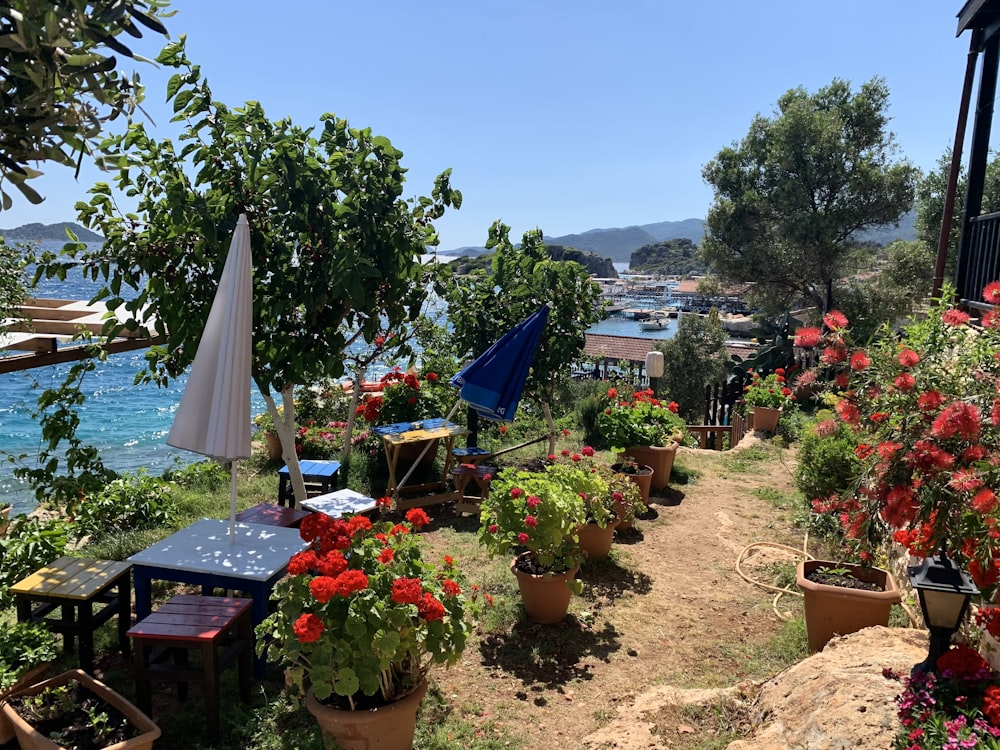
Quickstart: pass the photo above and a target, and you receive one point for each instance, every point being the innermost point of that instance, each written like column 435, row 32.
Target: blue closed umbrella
column 493, row 383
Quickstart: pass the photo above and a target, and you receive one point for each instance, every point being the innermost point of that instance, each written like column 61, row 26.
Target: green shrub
column 133, row 501
column 208, row 476
column 30, row 543
column 827, row 464
column 24, row 646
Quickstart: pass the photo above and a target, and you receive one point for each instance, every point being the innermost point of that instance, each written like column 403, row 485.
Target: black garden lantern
column 944, row 590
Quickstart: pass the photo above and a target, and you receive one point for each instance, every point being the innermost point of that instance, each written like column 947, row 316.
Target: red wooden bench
column 480, row 476
column 270, row 514
column 218, row 628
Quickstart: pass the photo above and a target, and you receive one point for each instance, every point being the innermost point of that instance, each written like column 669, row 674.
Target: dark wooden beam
column 18, row 362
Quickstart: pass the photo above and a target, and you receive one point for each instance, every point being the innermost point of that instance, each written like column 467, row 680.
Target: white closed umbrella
column 214, row 414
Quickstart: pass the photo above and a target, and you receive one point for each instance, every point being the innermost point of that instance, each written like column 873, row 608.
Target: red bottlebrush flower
column 904, row 381
column 835, row 320
column 612, row 393
column 522, row 538
column 807, row 338
column 958, row 419
column 430, row 608
column 308, row 628
column 825, row 428
column 863, row 450
column 908, row 358
column 848, row 412
column 984, row 501
column 406, row 590
column 587, row 451
column 887, row 449
column 530, row 521
column 930, row 401
column 417, row 517
column 516, row 492
column 965, row 481
column 841, row 379
column 955, row 318
column 833, row 355
column 991, row 293
column 973, row 453
column 991, row 319
column 323, row 588
column 859, row 361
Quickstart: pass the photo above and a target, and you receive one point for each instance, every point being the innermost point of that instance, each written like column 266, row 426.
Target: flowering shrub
column 640, row 420
column 959, row 707
column 324, row 441
column 770, row 391
column 925, row 407
column 405, row 398
column 361, row 614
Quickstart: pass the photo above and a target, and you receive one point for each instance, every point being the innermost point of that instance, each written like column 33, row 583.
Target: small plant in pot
column 765, row 397
column 26, row 651
column 360, row 621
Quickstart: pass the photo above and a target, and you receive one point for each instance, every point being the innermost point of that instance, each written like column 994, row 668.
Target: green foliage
column 791, row 196
column 776, row 347
column 693, row 359
column 132, row 501
column 13, row 284
column 23, row 646
column 677, row 257
column 30, row 543
column 827, row 462
column 60, row 86
column 207, row 476
column 588, row 411
column 637, row 420
column 483, row 306
column 57, row 413
column 770, row 391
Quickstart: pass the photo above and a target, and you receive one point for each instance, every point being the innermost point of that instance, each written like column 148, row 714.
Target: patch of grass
column 746, row 461
column 443, row 724
column 778, row 499
column 706, row 726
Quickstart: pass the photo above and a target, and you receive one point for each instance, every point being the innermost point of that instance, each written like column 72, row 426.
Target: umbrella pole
column 232, row 502
column 427, row 447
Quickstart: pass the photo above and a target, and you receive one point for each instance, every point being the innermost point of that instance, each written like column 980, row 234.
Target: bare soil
column 667, row 609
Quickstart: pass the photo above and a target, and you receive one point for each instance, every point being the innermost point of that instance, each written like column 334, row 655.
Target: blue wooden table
column 320, row 477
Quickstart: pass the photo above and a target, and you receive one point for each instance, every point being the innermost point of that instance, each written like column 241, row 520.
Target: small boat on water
column 658, row 319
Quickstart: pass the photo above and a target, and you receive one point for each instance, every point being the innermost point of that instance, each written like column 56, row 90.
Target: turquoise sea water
column 126, row 422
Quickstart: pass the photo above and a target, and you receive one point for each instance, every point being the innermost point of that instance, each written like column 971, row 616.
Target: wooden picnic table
column 396, row 436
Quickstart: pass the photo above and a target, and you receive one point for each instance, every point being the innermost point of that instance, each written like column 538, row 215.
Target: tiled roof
column 634, row 348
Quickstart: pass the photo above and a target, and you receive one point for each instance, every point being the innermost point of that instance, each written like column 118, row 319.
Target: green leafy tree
column 336, row 248
column 60, row 83
column 792, row 195
column 484, row 305
column 694, row 358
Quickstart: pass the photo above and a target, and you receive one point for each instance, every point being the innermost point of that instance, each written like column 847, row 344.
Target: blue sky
column 566, row 116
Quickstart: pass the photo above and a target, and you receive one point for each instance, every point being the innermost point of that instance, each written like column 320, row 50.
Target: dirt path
column 668, row 610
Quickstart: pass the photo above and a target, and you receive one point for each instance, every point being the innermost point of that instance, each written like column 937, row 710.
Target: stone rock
column 837, row 699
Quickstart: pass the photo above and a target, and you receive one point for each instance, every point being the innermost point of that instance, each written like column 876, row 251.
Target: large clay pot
column 390, row 727
column 659, row 458
column 835, row 610
column 30, row 677
column 596, row 541
column 273, row 444
column 643, row 480
column 28, row 738
column 765, row 418
column 546, row 597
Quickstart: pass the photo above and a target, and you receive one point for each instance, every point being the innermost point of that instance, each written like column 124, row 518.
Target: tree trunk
column 352, row 416
column 284, row 425
column 551, row 424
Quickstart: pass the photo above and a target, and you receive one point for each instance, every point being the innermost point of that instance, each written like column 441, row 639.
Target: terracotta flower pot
column 387, row 728
column 273, row 443
column 28, row 678
column 659, row 458
column 30, row 738
column 765, row 418
column 643, row 480
column 595, row 541
column 835, row 610
column 545, row 597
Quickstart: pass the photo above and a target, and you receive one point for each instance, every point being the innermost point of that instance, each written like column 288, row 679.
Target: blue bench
column 473, row 455
column 320, row 477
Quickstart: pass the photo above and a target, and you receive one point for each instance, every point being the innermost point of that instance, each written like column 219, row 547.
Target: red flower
column 833, row 355
column 612, row 392
column 379, row 340
column 673, row 406
column 565, row 452
column 904, row 381
column 493, row 529
column 848, row 412
column 984, row 501
column 930, row 401
column 587, row 451
column 962, row 661
column 350, row 581
column 432, row 377
column 450, row 588
column 807, row 338
column 516, row 492
column 908, row 358
column 503, row 429
column 448, row 560
column 958, row 419
column 323, row 588
column 991, row 293
column 522, row 538
column 533, row 501
column 406, row 590
column 417, row 517
column 384, row 502
column 859, row 361
column 954, row 317
column 576, row 457
column 991, row 703
column 386, row 556
column 530, row 521
column 302, row 562
column 333, row 563
column 308, row 628
column 835, row 320
column 430, row 608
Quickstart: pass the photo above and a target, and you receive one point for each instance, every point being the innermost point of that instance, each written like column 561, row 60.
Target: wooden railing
column 720, row 436
column 979, row 263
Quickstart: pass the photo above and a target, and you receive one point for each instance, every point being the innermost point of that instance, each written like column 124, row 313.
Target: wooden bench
column 472, row 455
column 218, row 628
column 480, row 476
column 74, row 585
column 270, row 514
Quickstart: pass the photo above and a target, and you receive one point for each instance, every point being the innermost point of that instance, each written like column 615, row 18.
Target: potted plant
column 641, row 477
column 74, row 710
column 536, row 515
column 590, row 480
column 361, row 618
column 923, row 404
column 766, row 397
column 265, row 425
column 407, row 397
column 26, row 651
column 842, row 598
column 645, row 428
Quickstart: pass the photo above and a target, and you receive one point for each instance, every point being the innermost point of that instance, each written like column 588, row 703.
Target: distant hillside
column 676, row 257
column 35, row 232
column 595, row 265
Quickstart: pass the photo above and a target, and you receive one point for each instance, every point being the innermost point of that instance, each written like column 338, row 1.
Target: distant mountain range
column 35, row 232
column 619, row 244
